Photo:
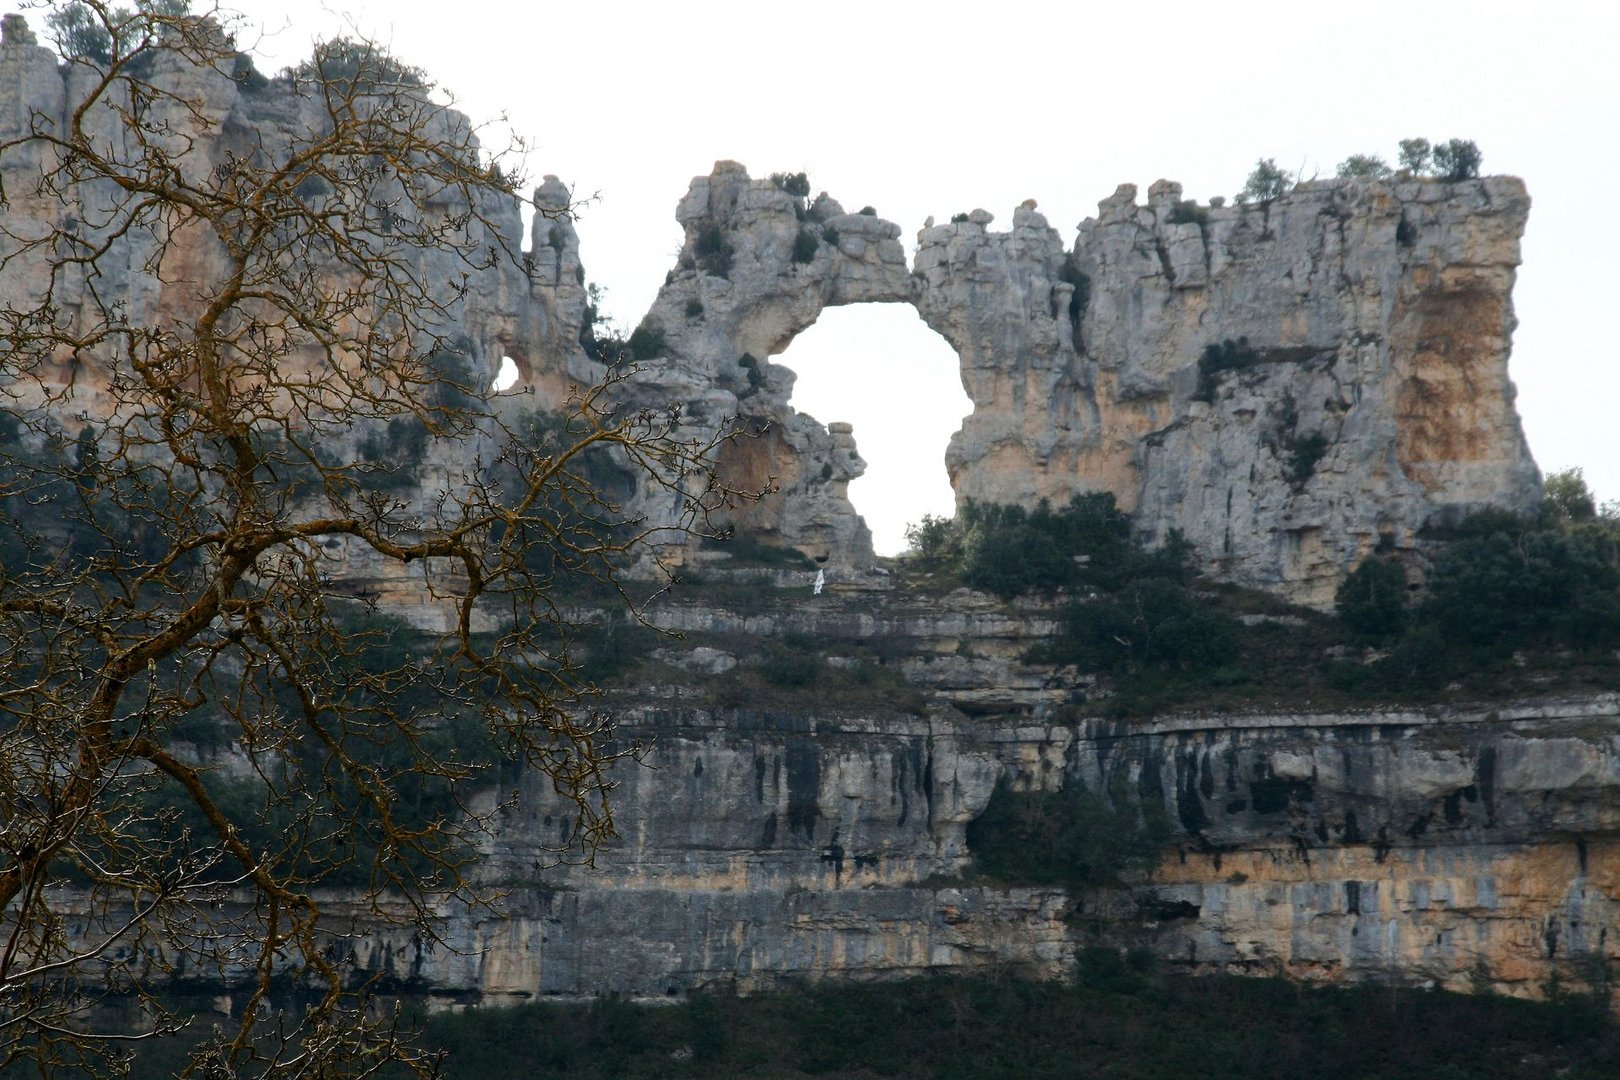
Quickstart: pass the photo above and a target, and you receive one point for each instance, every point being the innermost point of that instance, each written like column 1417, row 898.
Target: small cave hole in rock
column 880, row 368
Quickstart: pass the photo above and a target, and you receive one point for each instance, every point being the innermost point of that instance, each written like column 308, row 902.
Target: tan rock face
column 1376, row 316
column 1363, row 392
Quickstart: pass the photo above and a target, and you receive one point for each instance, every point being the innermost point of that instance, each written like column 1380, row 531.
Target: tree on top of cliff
column 238, row 396
column 1267, row 183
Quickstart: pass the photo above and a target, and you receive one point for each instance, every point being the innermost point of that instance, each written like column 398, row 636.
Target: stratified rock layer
column 1459, row 847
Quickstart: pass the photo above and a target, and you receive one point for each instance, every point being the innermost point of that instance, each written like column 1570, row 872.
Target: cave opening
column 882, row 369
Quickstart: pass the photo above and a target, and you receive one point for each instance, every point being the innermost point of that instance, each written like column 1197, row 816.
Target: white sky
column 931, row 109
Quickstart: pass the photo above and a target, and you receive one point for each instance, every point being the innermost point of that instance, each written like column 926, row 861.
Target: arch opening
column 507, row 377
column 880, row 368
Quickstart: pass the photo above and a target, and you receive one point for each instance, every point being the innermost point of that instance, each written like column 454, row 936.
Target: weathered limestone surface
column 768, row 843
column 1377, row 316
column 760, row 847
column 1380, row 313
column 737, row 296
column 1460, row 847
column 1371, row 323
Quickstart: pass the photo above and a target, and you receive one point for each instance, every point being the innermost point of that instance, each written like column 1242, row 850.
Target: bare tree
column 243, row 395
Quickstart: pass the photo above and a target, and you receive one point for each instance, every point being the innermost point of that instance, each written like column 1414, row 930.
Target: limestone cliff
column 1362, row 392
column 1290, row 384
column 1459, row 847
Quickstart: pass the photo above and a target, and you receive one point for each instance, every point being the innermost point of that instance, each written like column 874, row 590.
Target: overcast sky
column 931, row 109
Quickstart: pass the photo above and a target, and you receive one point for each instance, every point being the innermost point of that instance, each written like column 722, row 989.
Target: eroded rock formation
column 1461, row 847
column 1359, row 390
column 1289, row 384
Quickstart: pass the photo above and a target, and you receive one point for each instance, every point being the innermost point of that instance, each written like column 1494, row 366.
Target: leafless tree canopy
column 236, row 392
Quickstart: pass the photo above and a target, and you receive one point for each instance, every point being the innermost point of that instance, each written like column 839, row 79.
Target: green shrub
column 1266, row 183
column 348, row 63
column 1303, row 456
column 830, row 235
column 79, row 34
column 868, row 211
column 1371, row 600
column 712, row 253
column 936, row 541
column 1008, row 550
column 795, row 184
column 805, row 246
column 694, row 309
column 1366, row 166
column 646, row 342
column 1150, row 621
column 1219, row 357
column 1415, row 155
column 1528, row 584
column 1188, row 212
column 1566, row 497
column 1457, row 159
column 957, row 219
column 1072, row 837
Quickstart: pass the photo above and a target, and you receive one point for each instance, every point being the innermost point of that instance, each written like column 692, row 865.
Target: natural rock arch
column 1088, row 368
column 879, row 368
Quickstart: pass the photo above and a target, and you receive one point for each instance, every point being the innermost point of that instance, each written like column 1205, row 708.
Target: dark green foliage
column 246, row 76
column 1368, row 166
column 1415, row 155
column 646, row 342
column 1528, row 583
column 1008, row 550
column 453, row 388
column 1219, row 357
column 80, row 34
column 397, row 452
column 350, row 64
column 598, row 341
column 830, row 235
column 957, row 219
column 712, row 251
column 1120, row 1020
column 934, row 541
column 119, row 33
column 1266, row 183
column 1303, row 455
column 1150, row 621
column 868, row 211
column 1188, row 212
column 1457, row 159
column 796, row 672
column 1566, row 496
column 805, row 246
column 795, row 184
column 694, row 309
column 1074, row 838
column 1371, row 601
